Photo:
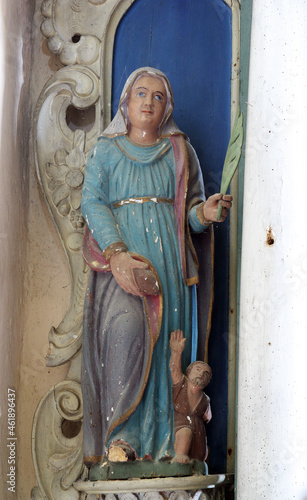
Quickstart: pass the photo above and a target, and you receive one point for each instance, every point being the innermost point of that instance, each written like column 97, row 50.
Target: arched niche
column 90, row 39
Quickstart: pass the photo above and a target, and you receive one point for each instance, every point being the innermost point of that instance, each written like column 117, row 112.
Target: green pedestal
column 144, row 469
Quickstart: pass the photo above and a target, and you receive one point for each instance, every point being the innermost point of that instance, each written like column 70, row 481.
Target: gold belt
column 144, row 199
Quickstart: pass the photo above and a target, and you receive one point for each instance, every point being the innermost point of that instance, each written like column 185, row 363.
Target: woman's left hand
column 211, row 205
column 122, row 265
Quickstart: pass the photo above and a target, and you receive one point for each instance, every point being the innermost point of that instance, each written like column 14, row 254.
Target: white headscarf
column 119, row 124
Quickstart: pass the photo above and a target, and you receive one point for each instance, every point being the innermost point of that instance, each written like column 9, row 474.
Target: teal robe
column 126, row 381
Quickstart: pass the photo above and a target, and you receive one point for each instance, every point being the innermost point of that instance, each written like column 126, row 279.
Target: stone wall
column 15, row 50
column 35, row 282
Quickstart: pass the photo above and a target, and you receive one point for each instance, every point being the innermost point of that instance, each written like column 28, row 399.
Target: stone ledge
column 158, row 484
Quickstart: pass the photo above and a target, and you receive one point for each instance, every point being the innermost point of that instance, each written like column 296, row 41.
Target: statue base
column 145, row 469
column 213, row 487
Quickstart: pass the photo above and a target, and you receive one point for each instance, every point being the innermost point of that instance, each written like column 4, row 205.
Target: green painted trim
column 246, row 20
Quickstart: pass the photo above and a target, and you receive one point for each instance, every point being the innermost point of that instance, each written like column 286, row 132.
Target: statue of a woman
column 143, row 194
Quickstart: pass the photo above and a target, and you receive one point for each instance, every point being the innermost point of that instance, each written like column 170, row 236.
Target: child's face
column 199, row 375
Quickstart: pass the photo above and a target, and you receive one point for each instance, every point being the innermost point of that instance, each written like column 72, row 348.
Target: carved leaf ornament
column 66, row 180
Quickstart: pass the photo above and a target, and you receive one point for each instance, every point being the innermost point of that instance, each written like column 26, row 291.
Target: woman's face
column 147, row 103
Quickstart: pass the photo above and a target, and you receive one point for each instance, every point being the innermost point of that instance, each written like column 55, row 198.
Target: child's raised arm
column 177, row 344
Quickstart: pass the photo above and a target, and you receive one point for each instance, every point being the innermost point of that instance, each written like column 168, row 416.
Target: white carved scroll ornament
column 69, row 35
column 60, row 156
column 57, row 453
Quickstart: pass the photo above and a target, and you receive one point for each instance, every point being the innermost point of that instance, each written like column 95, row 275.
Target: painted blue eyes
column 157, row 97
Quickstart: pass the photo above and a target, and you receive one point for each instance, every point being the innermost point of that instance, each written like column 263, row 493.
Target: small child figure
column 191, row 405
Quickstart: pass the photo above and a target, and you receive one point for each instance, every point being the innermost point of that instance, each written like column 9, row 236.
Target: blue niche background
column 190, row 41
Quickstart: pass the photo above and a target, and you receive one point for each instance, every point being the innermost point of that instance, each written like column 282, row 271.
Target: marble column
column 272, row 394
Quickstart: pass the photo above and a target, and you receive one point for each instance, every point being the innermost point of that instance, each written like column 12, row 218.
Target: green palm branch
column 232, row 156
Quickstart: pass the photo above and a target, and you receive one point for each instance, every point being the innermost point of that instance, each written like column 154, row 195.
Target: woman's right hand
column 122, row 265
column 211, row 205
